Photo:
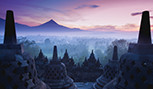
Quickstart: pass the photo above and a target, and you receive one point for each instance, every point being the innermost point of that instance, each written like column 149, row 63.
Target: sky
column 97, row 15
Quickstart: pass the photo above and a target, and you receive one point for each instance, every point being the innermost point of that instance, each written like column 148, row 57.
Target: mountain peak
column 52, row 22
column 49, row 26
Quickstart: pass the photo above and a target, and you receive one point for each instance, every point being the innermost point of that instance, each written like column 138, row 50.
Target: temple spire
column 66, row 56
column 115, row 54
column 66, row 52
column 41, row 55
column 55, row 57
column 10, row 33
column 92, row 55
column 92, row 51
column 145, row 33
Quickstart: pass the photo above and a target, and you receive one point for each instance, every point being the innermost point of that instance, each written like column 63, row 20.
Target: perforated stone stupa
column 110, row 71
column 56, row 75
column 136, row 66
column 17, row 69
column 41, row 61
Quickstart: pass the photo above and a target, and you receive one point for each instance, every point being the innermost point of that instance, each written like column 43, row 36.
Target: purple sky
column 97, row 15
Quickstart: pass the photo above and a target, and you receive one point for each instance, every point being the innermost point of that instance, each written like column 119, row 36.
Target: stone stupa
column 111, row 70
column 136, row 66
column 56, row 75
column 17, row 69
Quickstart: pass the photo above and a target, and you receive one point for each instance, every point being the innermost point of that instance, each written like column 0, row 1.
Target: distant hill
column 2, row 24
column 19, row 27
column 50, row 26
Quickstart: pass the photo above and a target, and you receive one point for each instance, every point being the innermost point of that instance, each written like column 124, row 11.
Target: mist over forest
column 78, row 47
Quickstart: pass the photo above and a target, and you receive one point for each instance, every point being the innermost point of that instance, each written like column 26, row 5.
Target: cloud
column 139, row 13
column 111, row 28
column 128, row 27
column 106, row 28
column 136, row 13
column 151, row 17
column 87, row 6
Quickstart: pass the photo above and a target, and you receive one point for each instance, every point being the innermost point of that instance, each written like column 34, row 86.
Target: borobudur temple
column 136, row 66
column 17, row 69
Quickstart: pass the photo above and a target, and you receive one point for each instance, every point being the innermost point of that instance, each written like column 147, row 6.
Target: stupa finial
column 115, row 54
column 10, row 33
column 55, row 57
column 145, row 33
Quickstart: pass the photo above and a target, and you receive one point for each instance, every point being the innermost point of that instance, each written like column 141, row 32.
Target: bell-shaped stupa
column 110, row 71
column 56, row 75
